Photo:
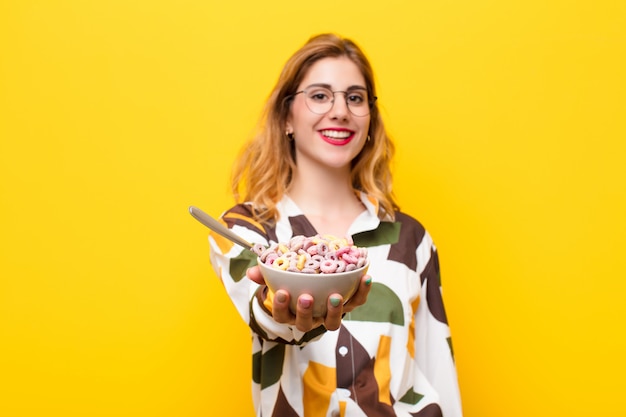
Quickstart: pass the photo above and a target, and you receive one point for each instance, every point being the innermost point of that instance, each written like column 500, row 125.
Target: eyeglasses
column 320, row 100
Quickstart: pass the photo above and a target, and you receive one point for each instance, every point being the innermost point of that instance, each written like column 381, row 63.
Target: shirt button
column 343, row 351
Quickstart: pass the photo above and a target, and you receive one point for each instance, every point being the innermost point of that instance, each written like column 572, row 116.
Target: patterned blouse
column 392, row 356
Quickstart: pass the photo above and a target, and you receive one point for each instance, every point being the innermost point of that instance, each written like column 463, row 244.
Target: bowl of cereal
column 319, row 265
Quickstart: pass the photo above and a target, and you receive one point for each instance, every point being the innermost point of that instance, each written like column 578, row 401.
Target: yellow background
column 117, row 115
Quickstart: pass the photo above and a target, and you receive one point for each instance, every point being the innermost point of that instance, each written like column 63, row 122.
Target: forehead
column 339, row 73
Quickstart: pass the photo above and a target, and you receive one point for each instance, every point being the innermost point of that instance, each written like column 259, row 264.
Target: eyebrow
column 328, row 86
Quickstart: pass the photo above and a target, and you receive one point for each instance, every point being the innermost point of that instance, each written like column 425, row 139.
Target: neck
column 326, row 198
column 322, row 192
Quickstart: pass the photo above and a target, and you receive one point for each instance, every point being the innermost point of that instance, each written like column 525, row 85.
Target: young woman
column 320, row 165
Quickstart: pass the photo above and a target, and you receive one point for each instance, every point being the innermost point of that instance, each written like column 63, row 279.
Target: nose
column 339, row 110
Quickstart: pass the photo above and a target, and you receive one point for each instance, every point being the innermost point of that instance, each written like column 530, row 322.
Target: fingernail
column 305, row 302
column 334, row 301
column 281, row 297
column 368, row 281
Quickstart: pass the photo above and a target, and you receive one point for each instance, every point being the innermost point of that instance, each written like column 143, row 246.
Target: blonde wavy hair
column 265, row 166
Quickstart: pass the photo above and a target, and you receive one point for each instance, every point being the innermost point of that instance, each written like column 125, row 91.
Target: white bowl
column 320, row 286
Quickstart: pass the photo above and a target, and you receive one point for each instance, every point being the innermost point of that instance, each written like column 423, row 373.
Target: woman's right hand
column 254, row 274
column 303, row 318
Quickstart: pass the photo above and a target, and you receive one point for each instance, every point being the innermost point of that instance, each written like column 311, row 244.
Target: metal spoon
column 218, row 227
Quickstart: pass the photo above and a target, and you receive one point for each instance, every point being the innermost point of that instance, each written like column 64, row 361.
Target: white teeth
column 336, row 134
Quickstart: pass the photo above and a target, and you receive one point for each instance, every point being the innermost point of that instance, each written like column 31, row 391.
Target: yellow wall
column 116, row 115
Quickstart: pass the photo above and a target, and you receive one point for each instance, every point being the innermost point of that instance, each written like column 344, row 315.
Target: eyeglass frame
column 345, row 95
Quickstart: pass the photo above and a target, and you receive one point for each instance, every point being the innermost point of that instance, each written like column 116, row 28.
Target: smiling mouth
column 337, row 134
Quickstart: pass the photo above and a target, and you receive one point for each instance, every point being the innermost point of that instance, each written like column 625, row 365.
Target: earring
column 289, row 135
column 368, row 138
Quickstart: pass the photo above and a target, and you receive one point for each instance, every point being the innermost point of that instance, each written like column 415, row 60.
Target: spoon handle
column 218, row 227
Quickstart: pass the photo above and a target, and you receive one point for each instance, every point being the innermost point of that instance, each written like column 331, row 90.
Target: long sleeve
column 433, row 344
column 230, row 262
column 408, row 338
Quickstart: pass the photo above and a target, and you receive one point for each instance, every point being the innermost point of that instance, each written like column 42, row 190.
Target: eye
column 319, row 95
column 355, row 99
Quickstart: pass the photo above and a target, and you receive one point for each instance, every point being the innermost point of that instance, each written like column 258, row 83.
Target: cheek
column 298, row 113
column 367, row 123
column 365, row 127
column 305, row 121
